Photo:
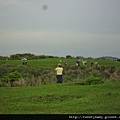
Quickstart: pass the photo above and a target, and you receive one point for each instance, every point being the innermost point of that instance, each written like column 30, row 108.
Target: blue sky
column 89, row 28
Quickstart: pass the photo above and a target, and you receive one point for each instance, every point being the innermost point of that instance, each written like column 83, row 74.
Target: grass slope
column 66, row 98
column 52, row 62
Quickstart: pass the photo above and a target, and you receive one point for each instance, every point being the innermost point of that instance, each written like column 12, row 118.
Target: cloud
column 8, row 2
column 66, row 39
column 66, row 27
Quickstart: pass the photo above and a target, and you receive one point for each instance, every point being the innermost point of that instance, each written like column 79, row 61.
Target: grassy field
column 67, row 98
column 52, row 62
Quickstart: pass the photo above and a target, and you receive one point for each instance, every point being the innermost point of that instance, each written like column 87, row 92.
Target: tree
column 69, row 56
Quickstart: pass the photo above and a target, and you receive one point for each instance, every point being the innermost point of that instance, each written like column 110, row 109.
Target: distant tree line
column 30, row 56
column 3, row 57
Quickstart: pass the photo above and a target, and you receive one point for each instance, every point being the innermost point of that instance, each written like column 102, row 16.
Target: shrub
column 68, row 78
column 93, row 80
column 106, row 74
column 102, row 68
column 19, row 83
column 11, row 77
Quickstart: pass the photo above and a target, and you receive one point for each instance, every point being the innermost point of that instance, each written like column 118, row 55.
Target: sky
column 88, row 28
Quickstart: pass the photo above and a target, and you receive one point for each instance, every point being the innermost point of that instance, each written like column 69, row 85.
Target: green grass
column 66, row 98
column 52, row 62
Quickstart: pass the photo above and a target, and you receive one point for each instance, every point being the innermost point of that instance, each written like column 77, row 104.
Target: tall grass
column 42, row 71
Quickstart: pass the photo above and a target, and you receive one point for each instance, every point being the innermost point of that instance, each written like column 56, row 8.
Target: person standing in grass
column 24, row 61
column 79, row 62
column 91, row 63
column 83, row 61
column 96, row 64
column 59, row 71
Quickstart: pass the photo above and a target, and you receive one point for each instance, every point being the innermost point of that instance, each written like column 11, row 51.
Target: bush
column 93, row 80
column 106, row 74
column 68, row 78
column 11, row 77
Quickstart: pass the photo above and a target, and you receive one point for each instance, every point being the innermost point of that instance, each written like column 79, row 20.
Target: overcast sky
column 89, row 28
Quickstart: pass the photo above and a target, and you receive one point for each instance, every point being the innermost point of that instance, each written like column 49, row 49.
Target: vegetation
column 67, row 98
column 85, row 88
column 12, row 77
column 41, row 71
column 93, row 80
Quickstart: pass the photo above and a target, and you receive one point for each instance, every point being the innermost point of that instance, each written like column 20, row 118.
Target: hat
column 59, row 64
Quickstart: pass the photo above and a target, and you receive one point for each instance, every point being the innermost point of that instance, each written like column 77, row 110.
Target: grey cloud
column 66, row 27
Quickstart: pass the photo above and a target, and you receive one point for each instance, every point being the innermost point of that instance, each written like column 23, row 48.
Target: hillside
column 37, row 92
column 42, row 71
column 67, row 98
column 108, row 58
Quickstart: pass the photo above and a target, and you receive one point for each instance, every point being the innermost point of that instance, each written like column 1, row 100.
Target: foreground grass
column 67, row 98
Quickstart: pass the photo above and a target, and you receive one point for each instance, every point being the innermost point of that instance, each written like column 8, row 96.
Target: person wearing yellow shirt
column 59, row 71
